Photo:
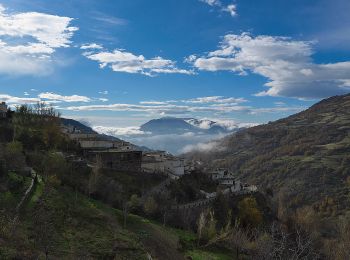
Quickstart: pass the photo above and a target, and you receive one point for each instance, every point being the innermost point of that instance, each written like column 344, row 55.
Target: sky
column 121, row 63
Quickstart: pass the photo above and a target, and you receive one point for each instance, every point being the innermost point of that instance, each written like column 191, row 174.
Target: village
column 115, row 154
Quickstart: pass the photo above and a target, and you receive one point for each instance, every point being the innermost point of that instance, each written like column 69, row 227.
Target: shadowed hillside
column 302, row 160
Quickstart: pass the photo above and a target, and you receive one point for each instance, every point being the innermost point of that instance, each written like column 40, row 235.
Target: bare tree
column 200, row 225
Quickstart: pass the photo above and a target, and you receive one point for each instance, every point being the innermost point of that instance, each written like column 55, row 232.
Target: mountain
column 168, row 125
column 302, row 160
column 172, row 125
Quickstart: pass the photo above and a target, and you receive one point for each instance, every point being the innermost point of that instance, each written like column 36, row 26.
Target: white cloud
column 214, row 146
column 228, row 124
column 17, row 100
column 231, row 124
column 171, row 109
column 153, row 102
column 168, row 109
column 215, row 99
column 122, row 61
column 91, row 46
column 231, row 9
column 286, row 63
column 59, row 98
column 28, row 40
column 279, row 103
column 104, row 92
column 119, row 131
column 212, row 2
column 103, row 99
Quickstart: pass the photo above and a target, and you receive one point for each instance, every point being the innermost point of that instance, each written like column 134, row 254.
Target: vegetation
column 64, row 215
column 301, row 163
column 73, row 211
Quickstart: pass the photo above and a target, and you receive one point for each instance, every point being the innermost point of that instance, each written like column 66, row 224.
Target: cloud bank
column 286, row 63
column 28, row 41
column 123, row 61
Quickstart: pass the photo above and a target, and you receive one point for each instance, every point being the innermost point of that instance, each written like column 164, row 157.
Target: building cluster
column 3, row 110
column 105, row 151
column 164, row 163
column 228, row 183
column 116, row 154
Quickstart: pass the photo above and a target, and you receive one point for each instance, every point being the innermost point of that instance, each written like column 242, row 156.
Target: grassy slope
column 91, row 229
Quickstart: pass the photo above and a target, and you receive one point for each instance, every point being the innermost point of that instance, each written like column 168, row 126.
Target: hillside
column 78, row 125
column 52, row 207
column 86, row 229
column 303, row 160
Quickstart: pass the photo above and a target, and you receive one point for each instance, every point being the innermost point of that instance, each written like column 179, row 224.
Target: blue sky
column 122, row 63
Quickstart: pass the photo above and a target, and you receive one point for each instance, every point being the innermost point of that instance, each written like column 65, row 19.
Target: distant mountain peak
column 174, row 125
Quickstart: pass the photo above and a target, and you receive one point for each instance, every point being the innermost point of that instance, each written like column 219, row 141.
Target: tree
column 238, row 239
column 249, row 213
column 54, row 164
column 206, row 226
column 150, row 206
column 222, row 210
column 15, row 159
column 201, row 224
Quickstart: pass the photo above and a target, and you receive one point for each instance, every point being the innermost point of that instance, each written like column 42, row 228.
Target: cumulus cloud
column 59, row 98
column 28, row 41
column 123, row 61
column 286, row 63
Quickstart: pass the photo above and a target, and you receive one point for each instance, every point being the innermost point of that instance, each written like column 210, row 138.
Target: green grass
column 86, row 227
column 208, row 255
column 83, row 229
